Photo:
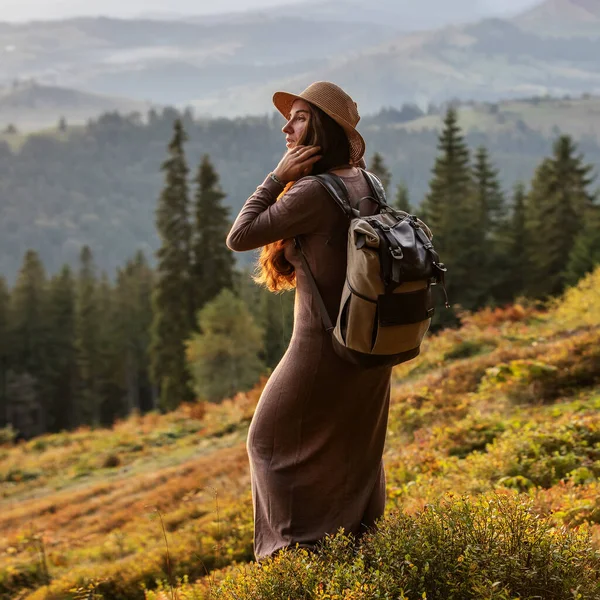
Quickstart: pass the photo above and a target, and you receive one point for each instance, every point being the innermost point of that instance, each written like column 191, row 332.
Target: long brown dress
column 316, row 440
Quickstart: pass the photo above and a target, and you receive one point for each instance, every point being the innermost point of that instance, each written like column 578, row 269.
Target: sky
column 25, row 10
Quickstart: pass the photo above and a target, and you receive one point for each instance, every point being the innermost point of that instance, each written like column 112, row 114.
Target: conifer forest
column 81, row 346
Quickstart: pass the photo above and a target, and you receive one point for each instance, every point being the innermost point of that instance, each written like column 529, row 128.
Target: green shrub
column 521, row 380
column 16, row 475
column 467, row 349
column 494, row 547
column 545, row 455
column 471, row 435
column 7, row 435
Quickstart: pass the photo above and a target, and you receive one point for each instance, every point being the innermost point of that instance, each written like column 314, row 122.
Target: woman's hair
column 273, row 270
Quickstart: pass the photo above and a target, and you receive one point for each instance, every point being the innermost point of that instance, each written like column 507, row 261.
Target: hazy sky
column 24, row 10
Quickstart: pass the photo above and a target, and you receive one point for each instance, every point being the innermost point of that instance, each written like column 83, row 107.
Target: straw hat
column 333, row 101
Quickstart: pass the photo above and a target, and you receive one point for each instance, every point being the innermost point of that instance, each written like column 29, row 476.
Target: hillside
column 171, row 62
column 504, row 410
column 385, row 53
column 32, row 107
column 489, row 60
column 579, row 117
column 405, row 15
column 562, row 17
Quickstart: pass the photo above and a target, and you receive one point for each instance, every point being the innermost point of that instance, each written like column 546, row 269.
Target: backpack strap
column 327, row 323
column 336, row 188
column 376, row 187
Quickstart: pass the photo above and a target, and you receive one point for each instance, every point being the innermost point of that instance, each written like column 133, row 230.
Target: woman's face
column 296, row 126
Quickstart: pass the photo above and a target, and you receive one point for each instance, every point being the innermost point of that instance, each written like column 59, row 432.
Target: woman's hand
column 297, row 162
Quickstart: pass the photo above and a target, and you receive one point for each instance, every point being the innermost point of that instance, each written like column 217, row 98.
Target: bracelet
column 276, row 179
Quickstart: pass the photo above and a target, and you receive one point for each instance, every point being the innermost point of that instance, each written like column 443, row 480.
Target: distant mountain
column 403, row 15
column 227, row 65
column 562, row 17
column 172, row 61
column 488, row 60
column 33, row 106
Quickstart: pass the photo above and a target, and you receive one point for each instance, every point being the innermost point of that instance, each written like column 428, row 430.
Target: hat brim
column 284, row 101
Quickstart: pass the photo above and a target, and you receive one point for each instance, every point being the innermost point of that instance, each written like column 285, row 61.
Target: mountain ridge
column 231, row 67
column 31, row 106
column 558, row 16
column 491, row 60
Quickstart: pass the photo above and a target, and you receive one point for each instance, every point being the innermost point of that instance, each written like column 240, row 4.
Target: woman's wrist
column 276, row 179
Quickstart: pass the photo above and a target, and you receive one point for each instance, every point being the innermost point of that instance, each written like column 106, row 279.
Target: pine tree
column 27, row 321
column 29, row 339
column 212, row 261
column 134, row 319
column 379, row 168
column 224, row 357
column 518, row 244
column 402, row 200
column 585, row 254
column 557, row 206
column 488, row 263
column 61, row 363
column 87, row 333
column 489, row 195
column 4, row 347
column 450, row 210
column 109, row 365
column 510, row 267
column 172, row 297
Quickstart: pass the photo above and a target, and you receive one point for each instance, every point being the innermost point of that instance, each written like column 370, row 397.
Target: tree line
column 80, row 348
column 97, row 184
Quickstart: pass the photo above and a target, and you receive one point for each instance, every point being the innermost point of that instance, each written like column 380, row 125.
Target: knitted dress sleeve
column 264, row 220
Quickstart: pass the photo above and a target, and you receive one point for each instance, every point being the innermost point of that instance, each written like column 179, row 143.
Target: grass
column 493, row 480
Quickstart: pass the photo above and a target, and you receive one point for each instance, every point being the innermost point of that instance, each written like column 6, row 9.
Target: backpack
column 386, row 305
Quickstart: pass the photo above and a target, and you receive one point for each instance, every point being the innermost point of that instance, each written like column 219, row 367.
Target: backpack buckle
column 397, row 253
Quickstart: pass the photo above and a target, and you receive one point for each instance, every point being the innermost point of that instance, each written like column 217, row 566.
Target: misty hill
column 488, row 60
column 99, row 184
column 548, row 116
column 171, row 61
column 34, row 106
column 403, row 15
column 229, row 65
column 563, row 17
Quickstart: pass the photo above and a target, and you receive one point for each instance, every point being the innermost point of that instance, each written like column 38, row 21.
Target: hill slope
column 32, row 107
column 172, row 61
column 230, row 64
column 489, row 60
column 507, row 403
column 562, row 17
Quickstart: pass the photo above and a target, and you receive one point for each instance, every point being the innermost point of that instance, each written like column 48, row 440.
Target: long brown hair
column 273, row 270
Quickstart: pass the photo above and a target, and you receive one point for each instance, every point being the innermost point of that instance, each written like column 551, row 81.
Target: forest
column 98, row 185
column 80, row 346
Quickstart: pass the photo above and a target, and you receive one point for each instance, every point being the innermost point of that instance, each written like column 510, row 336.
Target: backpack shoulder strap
column 336, row 188
column 376, row 187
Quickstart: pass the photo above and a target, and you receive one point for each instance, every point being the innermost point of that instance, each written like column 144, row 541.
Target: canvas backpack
column 386, row 305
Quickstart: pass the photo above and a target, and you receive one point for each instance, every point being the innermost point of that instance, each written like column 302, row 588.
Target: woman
column 316, row 440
